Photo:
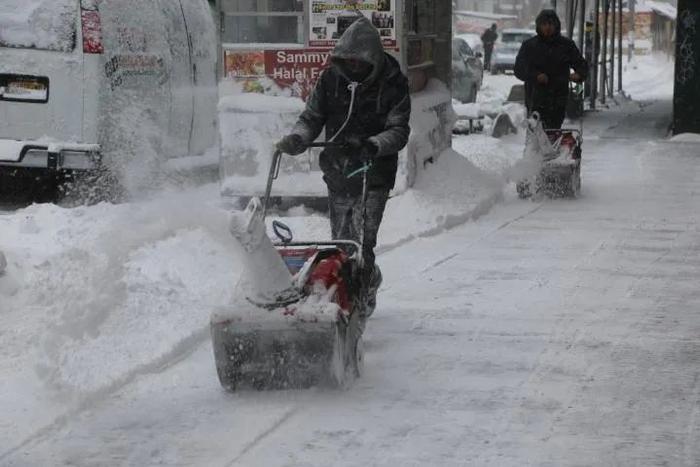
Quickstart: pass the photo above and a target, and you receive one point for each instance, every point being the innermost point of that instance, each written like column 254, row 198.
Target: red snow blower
column 296, row 320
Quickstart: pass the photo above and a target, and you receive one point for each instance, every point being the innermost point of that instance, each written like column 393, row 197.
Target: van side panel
column 203, row 38
column 134, row 85
column 180, row 72
column 92, row 78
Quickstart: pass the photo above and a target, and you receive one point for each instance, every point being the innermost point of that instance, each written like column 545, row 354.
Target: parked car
column 506, row 49
column 467, row 71
column 474, row 41
column 86, row 84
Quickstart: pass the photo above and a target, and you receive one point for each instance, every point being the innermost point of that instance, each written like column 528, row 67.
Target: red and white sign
column 294, row 69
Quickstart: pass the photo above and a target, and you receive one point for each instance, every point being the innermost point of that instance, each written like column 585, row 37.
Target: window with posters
column 272, row 63
column 330, row 18
column 262, row 21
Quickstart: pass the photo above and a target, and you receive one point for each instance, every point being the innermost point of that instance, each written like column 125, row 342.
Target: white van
column 85, row 83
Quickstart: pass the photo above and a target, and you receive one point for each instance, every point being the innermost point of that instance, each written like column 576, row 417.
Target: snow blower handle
column 275, row 170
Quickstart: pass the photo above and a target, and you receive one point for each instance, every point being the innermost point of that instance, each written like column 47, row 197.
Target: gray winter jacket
column 381, row 111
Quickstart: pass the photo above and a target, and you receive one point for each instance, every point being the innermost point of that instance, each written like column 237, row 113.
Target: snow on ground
column 648, row 77
column 546, row 335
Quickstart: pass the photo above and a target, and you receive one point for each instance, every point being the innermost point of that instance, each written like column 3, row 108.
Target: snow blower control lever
column 275, row 170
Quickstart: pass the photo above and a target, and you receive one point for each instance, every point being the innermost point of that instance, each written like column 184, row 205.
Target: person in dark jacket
column 544, row 63
column 489, row 38
column 363, row 102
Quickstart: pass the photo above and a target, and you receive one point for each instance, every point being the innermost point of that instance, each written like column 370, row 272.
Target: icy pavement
column 561, row 333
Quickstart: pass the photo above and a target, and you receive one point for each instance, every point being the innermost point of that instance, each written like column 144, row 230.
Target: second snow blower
column 556, row 158
column 296, row 320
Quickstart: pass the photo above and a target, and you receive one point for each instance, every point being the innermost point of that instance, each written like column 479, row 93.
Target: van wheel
column 26, row 186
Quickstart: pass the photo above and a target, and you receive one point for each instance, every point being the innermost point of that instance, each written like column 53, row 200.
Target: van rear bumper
column 52, row 156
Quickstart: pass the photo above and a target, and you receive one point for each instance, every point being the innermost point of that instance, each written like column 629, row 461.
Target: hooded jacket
column 380, row 113
column 553, row 56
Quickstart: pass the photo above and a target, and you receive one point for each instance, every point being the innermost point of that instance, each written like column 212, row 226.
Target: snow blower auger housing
column 295, row 320
column 558, row 156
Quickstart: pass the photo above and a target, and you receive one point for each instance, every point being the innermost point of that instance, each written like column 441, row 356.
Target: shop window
column 421, row 33
column 262, row 21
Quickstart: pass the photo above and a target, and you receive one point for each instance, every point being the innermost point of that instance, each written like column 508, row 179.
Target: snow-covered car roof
column 473, row 39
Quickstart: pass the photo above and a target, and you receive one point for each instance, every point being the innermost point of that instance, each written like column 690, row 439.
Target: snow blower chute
column 295, row 320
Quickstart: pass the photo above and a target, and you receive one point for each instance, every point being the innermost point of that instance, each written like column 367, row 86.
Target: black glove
column 364, row 148
column 292, row 144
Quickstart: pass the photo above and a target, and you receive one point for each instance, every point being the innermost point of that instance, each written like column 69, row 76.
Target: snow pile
column 250, row 125
column 492, row 155
column 97, row 295
column 692, row 138
column 41, row 24
column 649, row 77
column 450, row 192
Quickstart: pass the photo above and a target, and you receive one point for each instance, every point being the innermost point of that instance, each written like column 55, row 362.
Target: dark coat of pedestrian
column 544, row 63
column 488, row 39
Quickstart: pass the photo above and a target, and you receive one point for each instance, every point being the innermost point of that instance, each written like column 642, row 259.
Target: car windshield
column 38, row 24
column 515, row 37
column 461, row 47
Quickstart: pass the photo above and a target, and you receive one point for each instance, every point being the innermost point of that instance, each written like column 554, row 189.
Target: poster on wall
column 330, row 19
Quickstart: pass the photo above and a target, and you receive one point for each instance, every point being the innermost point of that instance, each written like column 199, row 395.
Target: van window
column 39, row 24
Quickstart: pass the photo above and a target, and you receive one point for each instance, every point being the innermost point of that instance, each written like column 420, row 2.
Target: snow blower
column 295, row 321
column 557, row 156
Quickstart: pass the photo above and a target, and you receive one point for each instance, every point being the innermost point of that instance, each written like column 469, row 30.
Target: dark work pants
column 346, row 220
column 488, row 53
column 552, row 109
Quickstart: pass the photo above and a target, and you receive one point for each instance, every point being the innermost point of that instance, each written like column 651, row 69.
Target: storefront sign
column 296, row 70
column 330, row 19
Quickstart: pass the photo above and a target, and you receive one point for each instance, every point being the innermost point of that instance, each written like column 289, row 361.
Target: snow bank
column 686, row 138
column 649, row 77
column 448, row 193
column 98, row 295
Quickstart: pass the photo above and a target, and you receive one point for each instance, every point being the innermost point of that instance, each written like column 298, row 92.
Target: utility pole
column 611, row 89
column 604, row 55
column 582, row 26
column 619, row 55
column 594, row 55
column 632, row 27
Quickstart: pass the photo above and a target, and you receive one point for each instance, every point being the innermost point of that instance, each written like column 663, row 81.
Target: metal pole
column 604, row 54
column 571, row 6
column 611, row 89
column 619, row 48
column 632, row 28
column 594, row 55
column 582, row 26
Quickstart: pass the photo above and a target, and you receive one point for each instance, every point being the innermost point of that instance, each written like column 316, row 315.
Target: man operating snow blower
column 544, row 63
column 363, row 102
